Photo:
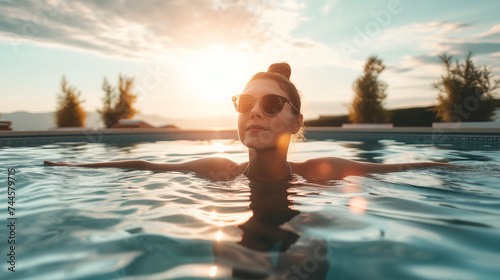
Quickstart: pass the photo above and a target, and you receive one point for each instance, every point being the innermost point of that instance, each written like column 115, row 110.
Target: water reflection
column 271, row 246
column 124, row 147
column 370, row 151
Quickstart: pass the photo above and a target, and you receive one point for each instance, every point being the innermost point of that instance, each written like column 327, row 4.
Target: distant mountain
column 43, row 121
column 30, row 121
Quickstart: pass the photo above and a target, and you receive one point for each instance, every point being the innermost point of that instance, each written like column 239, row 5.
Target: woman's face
column 259, row 131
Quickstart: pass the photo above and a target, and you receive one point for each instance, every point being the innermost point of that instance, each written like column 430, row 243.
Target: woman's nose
column 256, row 110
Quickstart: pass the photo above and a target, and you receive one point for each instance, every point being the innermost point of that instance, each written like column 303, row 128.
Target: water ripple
column 86, row 223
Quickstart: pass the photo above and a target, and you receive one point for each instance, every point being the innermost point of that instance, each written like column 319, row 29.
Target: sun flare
column 218, row 73
column 218, row 147
column 213, row 271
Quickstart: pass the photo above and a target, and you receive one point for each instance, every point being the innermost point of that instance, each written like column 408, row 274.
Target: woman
column 269, row 114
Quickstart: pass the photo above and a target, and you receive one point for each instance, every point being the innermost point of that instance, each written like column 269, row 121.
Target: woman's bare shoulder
column 329, row 168
column 219, row 168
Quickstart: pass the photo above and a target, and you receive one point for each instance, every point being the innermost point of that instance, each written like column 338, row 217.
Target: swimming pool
column 81, row 223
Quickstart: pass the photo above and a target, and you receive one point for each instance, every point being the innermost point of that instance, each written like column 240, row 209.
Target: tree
column 108, row 115
column 369, row 94
column 118, row 106
column 465, row 91
column 69, row 112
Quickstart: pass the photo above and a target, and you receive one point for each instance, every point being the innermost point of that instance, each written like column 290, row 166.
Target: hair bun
column 281, row 68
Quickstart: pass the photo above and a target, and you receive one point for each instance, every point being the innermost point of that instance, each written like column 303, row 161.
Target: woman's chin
column 258, row 145
column 259, row 141
column 265, row 140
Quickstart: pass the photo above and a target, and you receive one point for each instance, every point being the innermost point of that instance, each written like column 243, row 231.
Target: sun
column 216, row 74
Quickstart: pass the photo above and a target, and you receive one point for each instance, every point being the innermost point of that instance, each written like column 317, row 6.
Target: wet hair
column 280, row 73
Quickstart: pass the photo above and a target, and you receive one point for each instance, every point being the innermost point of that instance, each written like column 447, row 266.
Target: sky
column 188, row 58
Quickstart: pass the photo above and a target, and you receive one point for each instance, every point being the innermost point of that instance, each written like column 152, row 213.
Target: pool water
column 82, row 223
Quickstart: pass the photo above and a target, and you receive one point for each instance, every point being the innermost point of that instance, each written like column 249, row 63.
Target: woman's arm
column 213, row 168
column 333, row 168
column 132, row 164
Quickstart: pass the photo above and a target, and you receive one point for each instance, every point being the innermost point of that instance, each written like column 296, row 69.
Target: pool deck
column 441, row 135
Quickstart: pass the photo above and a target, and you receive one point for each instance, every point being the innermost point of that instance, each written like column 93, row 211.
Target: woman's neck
column 267, row 165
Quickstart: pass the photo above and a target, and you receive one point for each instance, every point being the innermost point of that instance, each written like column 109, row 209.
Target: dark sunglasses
column 271, row 104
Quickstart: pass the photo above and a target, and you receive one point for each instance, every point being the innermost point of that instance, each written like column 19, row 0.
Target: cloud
column 326, row 9
column 425, row 59
column 305, row 43
column 427, row 29
column 420, row 35
column 429, row 40
column 491, row 34
column 148, row 28
column 437, row 27
column 419, row 68
column 476, row 48
column 440, row 37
